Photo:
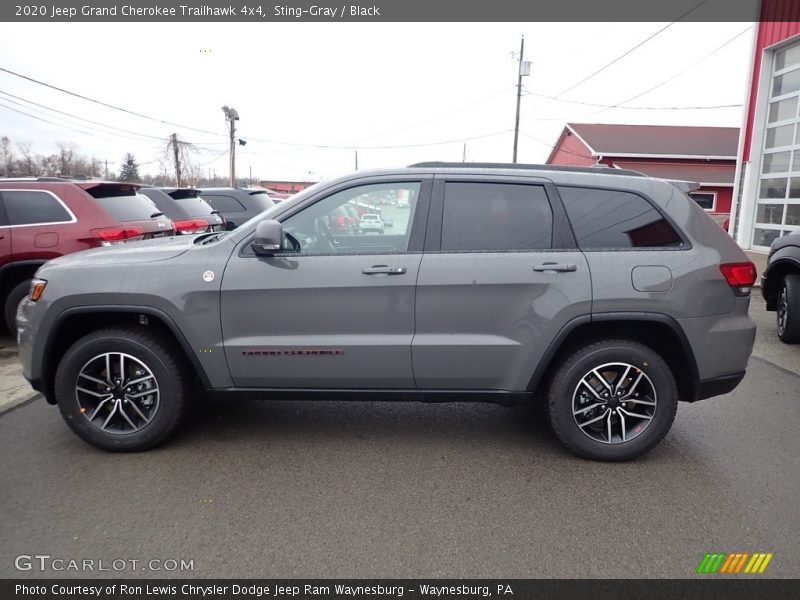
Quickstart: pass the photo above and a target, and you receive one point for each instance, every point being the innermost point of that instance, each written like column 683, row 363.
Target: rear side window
column 29, row 207
column 224, row 204
column 613, row 219
column 495, row 217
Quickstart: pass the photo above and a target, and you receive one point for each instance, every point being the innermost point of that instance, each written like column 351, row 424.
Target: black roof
column 605, row 170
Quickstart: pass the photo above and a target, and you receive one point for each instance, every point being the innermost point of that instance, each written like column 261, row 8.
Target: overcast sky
column 395, row 90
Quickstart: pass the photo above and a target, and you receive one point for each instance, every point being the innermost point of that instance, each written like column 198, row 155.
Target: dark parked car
column 189, row 212
column 780, row 285
column 604, row 294
column 44, row 218
column 237, row 205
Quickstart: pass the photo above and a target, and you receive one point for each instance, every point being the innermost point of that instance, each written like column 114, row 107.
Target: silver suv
column 605, row 295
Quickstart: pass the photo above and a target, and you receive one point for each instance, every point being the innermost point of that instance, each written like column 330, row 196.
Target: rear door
column 501, row 275
column 335, row 309
column 37, row 220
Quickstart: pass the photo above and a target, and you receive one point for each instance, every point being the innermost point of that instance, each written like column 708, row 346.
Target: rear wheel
column 121, row 389
column 789, row 309
column 13, row 300
column 612, row 400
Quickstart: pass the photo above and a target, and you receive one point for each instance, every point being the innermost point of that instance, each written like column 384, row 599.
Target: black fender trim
column 143, row 310
column 18, row 264
column 501, row 397
column 557, row 344
column 717, row 386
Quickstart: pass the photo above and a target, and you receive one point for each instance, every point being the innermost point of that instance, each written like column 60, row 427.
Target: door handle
column 383, row 270
column 554, row 268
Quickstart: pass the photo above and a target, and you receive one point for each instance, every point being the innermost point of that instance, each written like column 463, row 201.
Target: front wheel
column 612, row 400
column 789, row 310
column 121, row 389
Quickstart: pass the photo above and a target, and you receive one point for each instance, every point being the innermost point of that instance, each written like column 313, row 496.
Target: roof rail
column 607, row 170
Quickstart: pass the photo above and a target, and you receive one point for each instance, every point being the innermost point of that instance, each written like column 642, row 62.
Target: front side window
column 495, row 217
column 29, row 207
column 613, row 219
column 362, row 219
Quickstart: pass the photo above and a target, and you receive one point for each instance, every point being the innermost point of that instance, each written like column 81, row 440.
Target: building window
column 778, row 204
column 706, row 200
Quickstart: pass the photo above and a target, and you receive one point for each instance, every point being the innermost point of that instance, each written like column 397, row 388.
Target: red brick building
column 285, row 188
column 768, row 173
column 706, row 155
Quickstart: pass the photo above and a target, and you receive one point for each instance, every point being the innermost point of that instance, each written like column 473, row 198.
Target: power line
column 718, row 106
column 675, row 76
column 107, row 105
column 56, row 124
column 552, row 146
column 388, row 147
column 432, row 119
column 143, row 135
column 636, row 47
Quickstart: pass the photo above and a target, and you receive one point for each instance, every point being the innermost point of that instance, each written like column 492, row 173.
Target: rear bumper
column 717, row 386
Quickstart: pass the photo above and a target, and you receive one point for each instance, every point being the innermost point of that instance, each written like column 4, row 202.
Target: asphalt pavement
column 325, row 489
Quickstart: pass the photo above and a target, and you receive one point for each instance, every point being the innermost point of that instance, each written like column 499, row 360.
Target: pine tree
column 129, row 170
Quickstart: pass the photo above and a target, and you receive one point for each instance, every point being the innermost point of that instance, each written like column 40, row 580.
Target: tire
column 789, row 310
column 655, row 396
column 159, row 414
column 17, row 294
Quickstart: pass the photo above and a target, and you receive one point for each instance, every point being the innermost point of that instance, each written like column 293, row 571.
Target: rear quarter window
column 614, row 219
column 134, row 207
column 224, row 204
column 31, row 207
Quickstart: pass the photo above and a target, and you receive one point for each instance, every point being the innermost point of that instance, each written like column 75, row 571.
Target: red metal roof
column 658, row 140
column 713, row 173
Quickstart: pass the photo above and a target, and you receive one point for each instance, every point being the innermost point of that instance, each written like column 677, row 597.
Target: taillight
column 116, row 235
column 191, row 226
column 740, row 276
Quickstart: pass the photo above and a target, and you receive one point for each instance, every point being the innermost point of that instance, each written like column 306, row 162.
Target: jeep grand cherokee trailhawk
column 604, row 294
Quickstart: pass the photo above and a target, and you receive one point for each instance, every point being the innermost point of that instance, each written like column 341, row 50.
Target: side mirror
column 269, row 238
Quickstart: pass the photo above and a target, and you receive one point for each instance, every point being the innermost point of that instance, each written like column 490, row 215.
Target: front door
column 335, row 309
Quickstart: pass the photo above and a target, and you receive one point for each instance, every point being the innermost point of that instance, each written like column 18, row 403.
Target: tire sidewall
column 15, row 296
column 791, row 330
column 169, row 392
column 567, row 379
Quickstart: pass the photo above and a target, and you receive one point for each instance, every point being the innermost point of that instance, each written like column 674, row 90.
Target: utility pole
column 524, row 68
column 232, row 116
column 176, row 154
column 356, row 160
column 464, row 154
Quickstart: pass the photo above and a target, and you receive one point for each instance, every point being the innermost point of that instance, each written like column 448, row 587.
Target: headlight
column 37, row 289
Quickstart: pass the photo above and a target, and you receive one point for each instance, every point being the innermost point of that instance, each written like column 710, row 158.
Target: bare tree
column 28, row 161
column 6, row 155
column 66, row 156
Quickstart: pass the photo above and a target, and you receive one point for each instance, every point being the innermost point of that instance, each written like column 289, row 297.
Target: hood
column 129, row 253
